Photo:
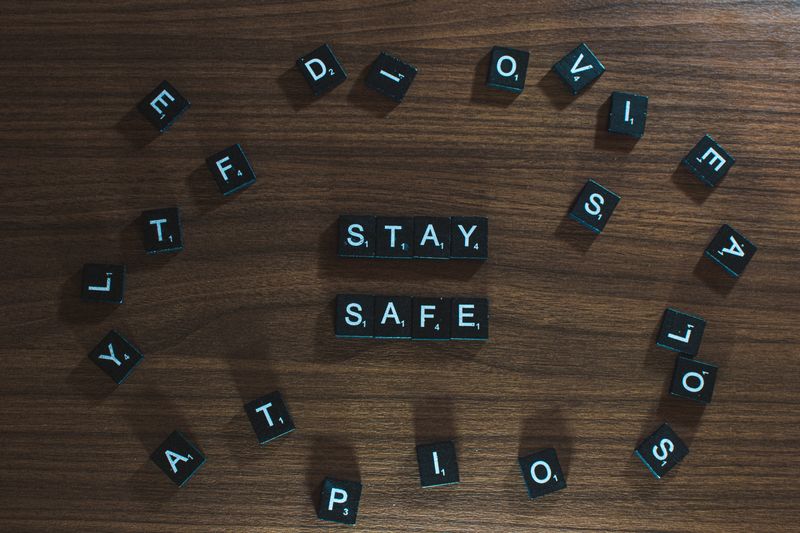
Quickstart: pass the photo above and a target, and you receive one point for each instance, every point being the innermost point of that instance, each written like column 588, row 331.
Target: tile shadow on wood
column 548, row 429
column 333, row 456
column 482, row 94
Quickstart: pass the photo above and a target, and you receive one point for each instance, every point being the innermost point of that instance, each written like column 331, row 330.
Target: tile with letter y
column 116, row 356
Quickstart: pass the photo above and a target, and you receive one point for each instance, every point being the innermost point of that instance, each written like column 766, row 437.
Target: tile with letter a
column 231, row 170
column 594, row 206
column 681, row 332
column 437, row 464
column 693, row 379
column 354, row 315
column 731, row 250
column 431, row 319
column 432, row 237
column 661, row 451
column 579, row 68
column 628, row 114
column 269, row 417
column 338, row 501
column 392, row 317
column 178, row 458
column 542, row 473
column 322, row 70
column 709, row 161
column 470, row 319
column 508, row 68
column 116, row 356
column 356, row 236
column 469, row 238
column 103, row 283
column 394, row 237
column 391, row 77
column 162, row 230
column 163, row 105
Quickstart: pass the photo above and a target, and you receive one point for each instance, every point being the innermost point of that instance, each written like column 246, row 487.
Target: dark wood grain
column 246, row 308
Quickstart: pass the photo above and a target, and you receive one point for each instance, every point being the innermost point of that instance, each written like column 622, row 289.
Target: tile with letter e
column 392, row 317
column 116, row 356
column 432, row 237
column 693, row 379
column 162, row 230
column 628, row 114
column 661, row 451
column 163, row 105
column 437, row 464
column 178, row 458
column 507, row 69
column 731, row 250
column 269, row 417
column 354, row 315
column 469, row 238
column 231, row 170
column 579, row 68
column 594, row 206
column 322, row 70
column 470, row 319
column 542, row 473
column 338, row 501
column 681, row 332
column 391, row 77
column 356, row 236
column 431, row 319
column 394, row 237
column 103, row 283
column 709, row 161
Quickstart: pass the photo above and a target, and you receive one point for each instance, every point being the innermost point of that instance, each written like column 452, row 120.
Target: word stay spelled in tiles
column 322, row 70
column 709, row 161
column 231, row 170
column 693, row 379
column 178, row 458
column 681, row 332
column 661, row 451
column 338, row 501
column 437, row 464
column 579, row 68
column 269, row 417
column 116, row 356
column 594, row 206
column 731, row 250
column 507, row 69
column 103, row 283
column 542, row 473
column 163, row 105
column 391, row 77
column 162, row 230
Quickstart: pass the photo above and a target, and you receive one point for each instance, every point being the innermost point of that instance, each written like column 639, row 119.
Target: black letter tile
column 354, row 315
column 269, row 417
column 661, row 451
column 470, row 319
column 391, row 77
column 356, row 236
column 579, row 68
column 542, row 473
column 431, row 319
column 731, row 250
column 163, row 105
column 507, row 69
column 394, row 237
column 628, row 114
column 178, row 458
column 470, row 238
column 338, row 501
column 693, row 379
column 437, row 464
column 116, row 356
column 594, row 206
column 432, row 237
column 322, row 70
column 162, row 230
column 392, row 317
column 681, row 332
column 103, row 283
column 231, row 170
column 709, row 161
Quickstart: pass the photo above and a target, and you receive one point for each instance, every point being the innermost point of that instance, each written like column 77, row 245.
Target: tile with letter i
column 579, row 68
column 661, row 451
column 628, row 114
column 116, row 356
column 392, row 317
column 731, row 250
column 269, row 417
column 231, row 170
column 693, row 379
column 508, row 68
column 163, row 105
column 470, row 319
column 437, row 464
column 709, row 161
column 542, row 473
column 162, row 230
column 322, row 70
column 178, row 458
column 391, row 77
column 338, row 501
column 681, row 332
column 357, row 236
column 594, row 206
column 432, row 237
column 354, row 315
column 431, row 319
column 469, row 238
column 103, row 283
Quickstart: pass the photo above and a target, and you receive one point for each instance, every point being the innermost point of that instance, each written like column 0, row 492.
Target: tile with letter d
column 178, row 458
column 103, row 283
column 437, row 464
column 116, row 356
column 163, row 105
column 339, row 500
column 469, row 238
column 542, row 473
column 579, row 68
column 661, row 451
column 731, row 250
column 269, row 417
column 231, row 170
column 594, row 206
column 709, row 161
column 162, row 230
column 322, row 70
column 470, row 319
column 693, row 379
column 391, row 77
column 354, row 315
column 508, row 68
column 681, row 332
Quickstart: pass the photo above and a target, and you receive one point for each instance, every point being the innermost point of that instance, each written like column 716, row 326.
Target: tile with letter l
column 681, row 332
column 103, row 283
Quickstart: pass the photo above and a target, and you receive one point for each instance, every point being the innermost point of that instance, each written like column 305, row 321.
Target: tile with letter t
column 469, row 238
column 394, row 237
column 322, row 70
column 431, row 319
column 432, row 237
column 542, row 473
column 116, row 356
column 693, row 379
column 579, row 68
column 437, row 464
column 709, row 161
column 163, row 105
column 507, row 69
column 231, row 170
column 162, row 230
column 594, row 206
column 681, row 332
column 269, row 417
column 628, row 114
column 392, row 317
column 354, row 315
column 178, row 458
column 103, row 283
column 661, row 451
column 470, row 319
column 338, row 501
column 391, row 77
column 356, row 236
column 731, row 250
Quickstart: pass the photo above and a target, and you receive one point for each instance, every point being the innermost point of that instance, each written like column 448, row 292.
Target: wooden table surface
column 246, row 308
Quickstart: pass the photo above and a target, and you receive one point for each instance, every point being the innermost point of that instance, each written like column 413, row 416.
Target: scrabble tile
column 163, row 105
column 661, row 451
column 470, row 319
column 116, row 356
column 394, row 237
column 338, row 501
column 178, row 458
column 507, row 69
column 594, row 206
column 322, row 70
column 357, row 236
column 162, row 230
column 579, row 68
column 709, row 161
column 269, row 417
column 354, row 315
column 628, row 114
column 731, row 250
column 103, row 283
column 391, row 77
column 542, row 473
column 432, row 237
column 469, row 238
column 392, row 317
column 231, row 170
column 431, row 319
column 681, row 332
column 437, row 464
column 693, row 379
